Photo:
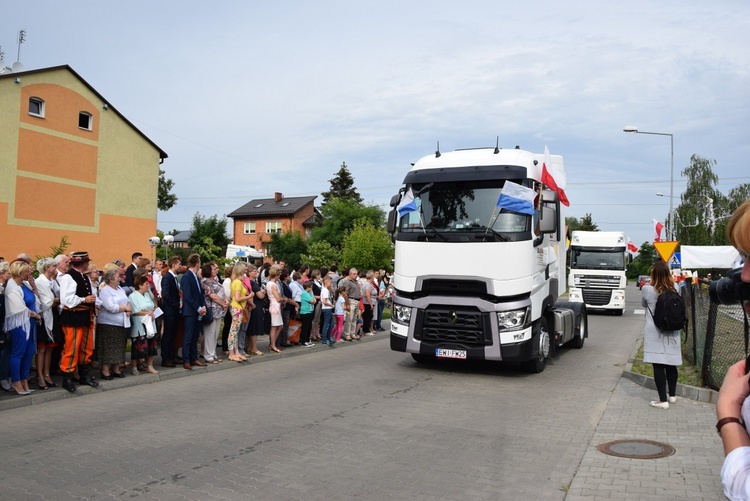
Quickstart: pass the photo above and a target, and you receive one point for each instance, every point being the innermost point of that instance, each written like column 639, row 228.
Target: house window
column 249, row 228
column 273, row 227
column 84, row 120
column 36, row 107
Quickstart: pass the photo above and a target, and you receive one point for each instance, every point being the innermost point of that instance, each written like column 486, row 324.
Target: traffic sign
column 666, row 249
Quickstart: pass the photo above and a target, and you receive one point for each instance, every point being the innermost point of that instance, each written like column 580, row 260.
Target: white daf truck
column 597, row 269
column 472, row 280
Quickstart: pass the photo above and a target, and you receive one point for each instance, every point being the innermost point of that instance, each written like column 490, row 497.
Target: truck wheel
column 582, row 327
column 422, row 359
column 541, row 340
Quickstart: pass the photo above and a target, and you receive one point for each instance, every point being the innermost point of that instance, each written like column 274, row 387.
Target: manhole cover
column 636, row 449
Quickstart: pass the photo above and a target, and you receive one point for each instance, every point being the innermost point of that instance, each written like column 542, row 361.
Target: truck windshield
column 461, row 207
column 597, row 260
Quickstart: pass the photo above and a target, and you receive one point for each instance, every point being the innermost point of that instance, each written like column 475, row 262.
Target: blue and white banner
column 407, row 204
column 517, row 198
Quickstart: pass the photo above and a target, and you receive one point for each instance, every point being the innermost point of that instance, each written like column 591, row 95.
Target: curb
column 167, row 374
column 705, row 395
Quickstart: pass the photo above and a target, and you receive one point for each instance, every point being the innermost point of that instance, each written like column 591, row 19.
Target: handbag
column 209, row 316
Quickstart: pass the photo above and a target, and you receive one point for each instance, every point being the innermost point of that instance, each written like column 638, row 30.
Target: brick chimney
column 278, row 197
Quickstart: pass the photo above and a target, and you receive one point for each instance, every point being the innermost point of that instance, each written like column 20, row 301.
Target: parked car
column 643, row 280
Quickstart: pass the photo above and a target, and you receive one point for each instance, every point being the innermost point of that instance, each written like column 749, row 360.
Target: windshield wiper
column 496, row 234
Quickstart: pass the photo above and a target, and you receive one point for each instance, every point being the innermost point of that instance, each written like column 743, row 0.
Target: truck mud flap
column 520, row 352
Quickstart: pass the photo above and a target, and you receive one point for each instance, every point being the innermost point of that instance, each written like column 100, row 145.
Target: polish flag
column 631, row 246
column 657, row 230
column 554, row 178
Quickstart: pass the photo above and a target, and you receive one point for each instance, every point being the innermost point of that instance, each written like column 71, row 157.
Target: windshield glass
column 597, row 260
column 461, row 207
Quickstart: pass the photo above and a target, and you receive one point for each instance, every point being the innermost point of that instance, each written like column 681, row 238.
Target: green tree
column 342, row 187
column 695, row 218
column 213, row 227
column 321, row 254
column 586, row 223
column 338, row 217
column 208, row 251
column 367, row 247
column 166, row 199
column 288, row 247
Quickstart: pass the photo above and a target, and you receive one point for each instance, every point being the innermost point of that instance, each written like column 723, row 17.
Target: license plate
column 442, row 353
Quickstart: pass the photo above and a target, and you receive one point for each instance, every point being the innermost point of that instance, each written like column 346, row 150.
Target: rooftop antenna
column 497, row 145
column 437, row 152
column 21, row 39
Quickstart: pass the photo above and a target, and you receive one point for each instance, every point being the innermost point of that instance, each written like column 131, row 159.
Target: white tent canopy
column 703, row 256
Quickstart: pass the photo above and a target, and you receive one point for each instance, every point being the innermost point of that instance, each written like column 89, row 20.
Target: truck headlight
column 512, row 320
column 401, row 314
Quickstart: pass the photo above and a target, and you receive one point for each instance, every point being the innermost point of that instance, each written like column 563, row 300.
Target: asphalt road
column 358, row 421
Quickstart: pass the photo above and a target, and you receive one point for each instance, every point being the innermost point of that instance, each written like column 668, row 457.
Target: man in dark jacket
column 170, row 295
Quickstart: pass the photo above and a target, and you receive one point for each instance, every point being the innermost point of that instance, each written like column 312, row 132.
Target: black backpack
column 669, row 314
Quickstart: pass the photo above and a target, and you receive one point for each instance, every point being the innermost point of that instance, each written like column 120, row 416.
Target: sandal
column 134, row 371
column 48, row 380
column 214, row 361
column 273, row 349
column 151, row 370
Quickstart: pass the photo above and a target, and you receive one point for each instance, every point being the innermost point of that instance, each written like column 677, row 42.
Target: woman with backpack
column 662, row 349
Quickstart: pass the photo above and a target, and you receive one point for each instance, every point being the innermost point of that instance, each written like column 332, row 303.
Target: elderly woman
column 45, row 343
column 143, row 328
column 112, row 324
column 213, row 291
column 20, row 322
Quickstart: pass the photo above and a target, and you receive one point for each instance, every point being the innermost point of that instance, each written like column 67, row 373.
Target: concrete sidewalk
column 692, row 472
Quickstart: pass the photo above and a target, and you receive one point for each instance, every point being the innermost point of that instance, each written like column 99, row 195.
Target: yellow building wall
column 99, row 187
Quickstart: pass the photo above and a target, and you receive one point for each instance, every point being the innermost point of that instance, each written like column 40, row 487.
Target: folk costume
column 76, row 320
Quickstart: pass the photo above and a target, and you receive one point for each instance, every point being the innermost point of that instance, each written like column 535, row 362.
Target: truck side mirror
column 395, row 199
column 392, row 219
column 548, row 222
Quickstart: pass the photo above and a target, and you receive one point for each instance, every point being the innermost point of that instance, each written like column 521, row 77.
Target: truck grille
column 447, row 325
column 600, row 281
column 596, row 297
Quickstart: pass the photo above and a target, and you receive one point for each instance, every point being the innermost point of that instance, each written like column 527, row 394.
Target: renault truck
column 597, row 269
column 474, row 280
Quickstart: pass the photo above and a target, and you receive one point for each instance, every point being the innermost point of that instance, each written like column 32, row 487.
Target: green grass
column 686, row 374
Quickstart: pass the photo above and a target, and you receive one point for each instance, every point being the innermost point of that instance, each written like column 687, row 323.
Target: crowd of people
column 74, row 318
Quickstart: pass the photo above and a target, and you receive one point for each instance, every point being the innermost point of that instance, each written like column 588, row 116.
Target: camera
column 730, row 289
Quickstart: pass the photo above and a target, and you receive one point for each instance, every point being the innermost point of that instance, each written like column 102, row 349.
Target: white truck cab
column 597, row 269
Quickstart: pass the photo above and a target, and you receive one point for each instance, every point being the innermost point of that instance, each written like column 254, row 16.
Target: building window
column 249, row 228
column 84, row 120
column 273, row 227
column 36, row 107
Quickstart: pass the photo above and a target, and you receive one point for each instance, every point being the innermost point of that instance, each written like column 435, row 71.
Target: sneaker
column 659, row 405
column 308, row 344
column 672, row 400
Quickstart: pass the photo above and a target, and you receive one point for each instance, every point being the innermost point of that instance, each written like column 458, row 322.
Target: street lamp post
column 631, row 128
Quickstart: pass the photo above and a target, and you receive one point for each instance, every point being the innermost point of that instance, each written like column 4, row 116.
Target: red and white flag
column 631, row 246
column 657, row 230
column 554, row 178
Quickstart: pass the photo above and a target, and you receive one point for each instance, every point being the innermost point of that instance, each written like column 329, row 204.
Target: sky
column 250, row 98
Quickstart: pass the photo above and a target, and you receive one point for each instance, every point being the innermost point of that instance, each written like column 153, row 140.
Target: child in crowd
column 338, row 314
column 306, row 311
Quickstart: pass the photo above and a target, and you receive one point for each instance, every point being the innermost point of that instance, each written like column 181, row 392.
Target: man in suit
column 193, row 309
column 170, row 297
column 129, row 272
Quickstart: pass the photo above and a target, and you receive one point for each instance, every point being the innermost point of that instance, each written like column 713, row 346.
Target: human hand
column 734, row 390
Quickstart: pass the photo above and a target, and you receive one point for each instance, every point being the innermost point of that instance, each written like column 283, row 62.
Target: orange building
column 255, row 221
column 69, row 162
